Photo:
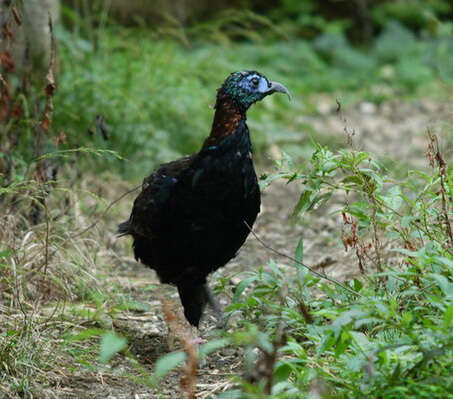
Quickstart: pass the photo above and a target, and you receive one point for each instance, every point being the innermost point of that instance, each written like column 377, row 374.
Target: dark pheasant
column 190, row 217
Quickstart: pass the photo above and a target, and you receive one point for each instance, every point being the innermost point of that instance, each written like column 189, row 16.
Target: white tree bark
column 29, row 43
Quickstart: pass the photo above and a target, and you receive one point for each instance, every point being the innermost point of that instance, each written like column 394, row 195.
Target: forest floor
column 392, row 130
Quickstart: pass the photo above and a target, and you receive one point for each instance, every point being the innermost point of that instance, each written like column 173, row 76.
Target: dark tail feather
column 123, row 228
column 193, row 299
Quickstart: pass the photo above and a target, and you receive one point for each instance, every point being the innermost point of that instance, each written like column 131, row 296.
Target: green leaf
column 91, row 332
column 304, row 202
column 133, row 305
column 111, row 344
column 232, row 394
column 445, row 285
column 444, row 261
column 321, row 199
column 342, row 343
column 327, row 341
column 235, row 306
column 406, row 221
column 241, row 287
column 361, row 156
column 264, row 343
column 393, row 198
column 5, row 253
column 448, row 317
column 212, row 346
column 352, row 180
column 282, row 372
column 300, row 252
column 405, row 251
column 167, row 363
column 356, row 285
column 407, row 318
column 289, row 160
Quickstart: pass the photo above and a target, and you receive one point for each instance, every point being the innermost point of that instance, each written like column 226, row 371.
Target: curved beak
column 278, row 88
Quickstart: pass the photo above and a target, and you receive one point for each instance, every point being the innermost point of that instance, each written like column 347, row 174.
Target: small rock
column 367, row 108
column 324, row 107
column 235, row 280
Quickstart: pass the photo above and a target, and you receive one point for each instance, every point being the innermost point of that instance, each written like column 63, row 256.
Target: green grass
column 156, row 94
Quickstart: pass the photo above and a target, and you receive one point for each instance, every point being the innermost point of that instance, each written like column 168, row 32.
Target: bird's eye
column 255, row 82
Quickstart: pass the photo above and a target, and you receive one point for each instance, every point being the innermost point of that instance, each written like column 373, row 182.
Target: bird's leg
column 216, row 307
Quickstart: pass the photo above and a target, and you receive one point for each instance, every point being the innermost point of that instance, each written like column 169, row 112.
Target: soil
column 391, row 130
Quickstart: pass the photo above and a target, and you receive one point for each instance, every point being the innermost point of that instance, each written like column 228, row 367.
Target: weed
column 394, row 338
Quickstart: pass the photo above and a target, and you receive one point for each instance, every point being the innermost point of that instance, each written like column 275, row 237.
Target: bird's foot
column 216, row 307
column 198, row 341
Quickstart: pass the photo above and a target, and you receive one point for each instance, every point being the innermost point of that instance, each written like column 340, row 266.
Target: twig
column 275, row 251
column 46, row 253
column 50, row 79
column 104, row 213
column 436, row 158
column 324, row 263
column 303, row 308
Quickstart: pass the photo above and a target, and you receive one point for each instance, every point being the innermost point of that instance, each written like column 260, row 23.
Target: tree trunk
column 26, row 35
column 27, row 67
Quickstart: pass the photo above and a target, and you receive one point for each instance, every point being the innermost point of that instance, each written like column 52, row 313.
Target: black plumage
column 190, row 217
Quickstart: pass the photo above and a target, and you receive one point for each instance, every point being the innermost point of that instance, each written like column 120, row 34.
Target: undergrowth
column 388, row 333
column 155, row 94
column 49, row 279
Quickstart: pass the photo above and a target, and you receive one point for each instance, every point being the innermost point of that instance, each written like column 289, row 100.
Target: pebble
column 367, row 108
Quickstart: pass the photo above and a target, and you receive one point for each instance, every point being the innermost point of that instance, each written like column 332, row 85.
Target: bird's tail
column 194, row 299
column 124, row 228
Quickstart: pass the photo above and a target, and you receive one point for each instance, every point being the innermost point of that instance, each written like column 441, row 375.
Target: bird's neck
column 227, row 117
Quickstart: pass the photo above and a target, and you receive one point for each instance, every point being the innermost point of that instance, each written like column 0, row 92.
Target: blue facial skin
column 247, row 87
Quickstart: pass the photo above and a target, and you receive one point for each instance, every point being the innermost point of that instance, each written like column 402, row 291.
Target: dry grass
column 66, row 281
column 49, row 281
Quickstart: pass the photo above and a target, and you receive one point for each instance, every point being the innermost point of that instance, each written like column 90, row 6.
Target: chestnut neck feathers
column 226, row 120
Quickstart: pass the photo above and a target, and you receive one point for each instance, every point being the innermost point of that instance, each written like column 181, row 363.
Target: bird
column 193, row 214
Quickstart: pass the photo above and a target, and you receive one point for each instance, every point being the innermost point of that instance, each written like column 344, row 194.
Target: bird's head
column 248, row 87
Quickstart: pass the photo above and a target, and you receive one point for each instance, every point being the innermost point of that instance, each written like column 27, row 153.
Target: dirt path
column 393, row 130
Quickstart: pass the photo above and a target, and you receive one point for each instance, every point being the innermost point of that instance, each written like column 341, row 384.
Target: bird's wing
column 156, row 191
